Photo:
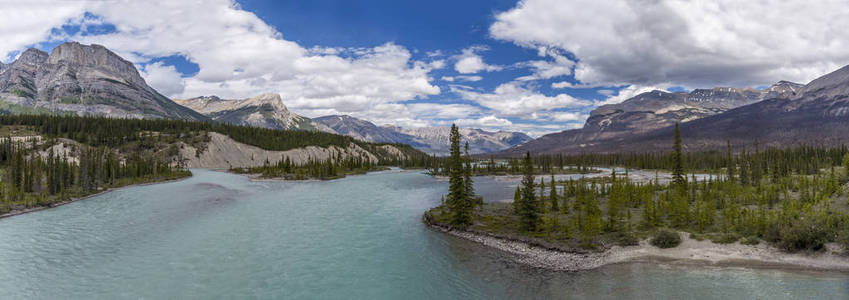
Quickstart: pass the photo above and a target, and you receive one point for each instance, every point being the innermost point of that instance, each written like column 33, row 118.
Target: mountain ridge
column 814, row 113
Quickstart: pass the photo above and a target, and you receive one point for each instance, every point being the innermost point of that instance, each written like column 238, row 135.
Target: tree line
column 793, row 198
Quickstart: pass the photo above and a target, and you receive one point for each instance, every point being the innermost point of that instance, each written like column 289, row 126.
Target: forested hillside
column 49, row 159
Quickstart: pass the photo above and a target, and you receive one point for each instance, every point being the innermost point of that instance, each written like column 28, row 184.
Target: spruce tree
column 457, row 198
column 467, row 179
column 552, row 196
column 729, row 162
column 846, row 164
column 517, row 200
column 528, row 207
column 677, row 158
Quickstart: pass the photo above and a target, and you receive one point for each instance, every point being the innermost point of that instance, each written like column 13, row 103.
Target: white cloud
column 567, row 116
column 489, row 122
column 238, row 54
column 513, row 99
column 165, row 79
column 437, row 64
column 543, row 69
column 447, row 78
column 629, row 92
column 470, row 62
column 442, row 111
column 469, row 78
column 26, row 23
column 688, row 43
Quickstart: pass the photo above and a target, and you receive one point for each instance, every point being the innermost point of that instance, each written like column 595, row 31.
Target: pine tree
column 528, row 208
column 729, row 162
column 517, row 200
column 678, row 162
column 846, row 164
column 467, row 179
column 552, row 196
column 457, row 198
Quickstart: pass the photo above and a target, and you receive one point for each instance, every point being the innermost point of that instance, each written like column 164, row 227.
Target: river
column 219, row 235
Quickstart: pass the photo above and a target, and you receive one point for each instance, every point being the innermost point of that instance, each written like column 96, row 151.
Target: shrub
column 726, row 238
column 666, row 239
column 803, row 235
column 628, row 239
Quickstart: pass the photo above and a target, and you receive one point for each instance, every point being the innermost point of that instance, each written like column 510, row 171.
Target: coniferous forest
column 47, row 159
column 794, row 198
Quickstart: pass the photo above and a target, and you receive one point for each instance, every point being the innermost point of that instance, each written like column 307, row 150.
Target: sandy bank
column 689, row 252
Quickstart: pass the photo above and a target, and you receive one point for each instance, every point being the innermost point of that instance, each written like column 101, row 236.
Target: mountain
column 791, row 114
column 658, row 109
column 432, row 140
column 480, row 141
column 85, row 80
column 367, row 131
column 266, row 110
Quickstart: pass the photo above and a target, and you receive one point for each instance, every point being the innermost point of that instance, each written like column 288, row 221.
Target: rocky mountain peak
column 95, row 57
column 272, row 99
column 32, row 56
column 86, row 80
column 828, row 86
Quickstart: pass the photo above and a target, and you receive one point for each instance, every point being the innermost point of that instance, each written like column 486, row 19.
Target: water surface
column 218, row 235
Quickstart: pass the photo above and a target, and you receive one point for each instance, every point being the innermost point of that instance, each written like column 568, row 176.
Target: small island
column 783, row 207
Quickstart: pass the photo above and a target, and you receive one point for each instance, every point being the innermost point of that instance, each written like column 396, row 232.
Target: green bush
column 726, row 238
column 666, row 239
column 628, row 239
column 803, row 235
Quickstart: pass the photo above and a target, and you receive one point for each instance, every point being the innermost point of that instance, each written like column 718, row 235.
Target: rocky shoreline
column 689, row 252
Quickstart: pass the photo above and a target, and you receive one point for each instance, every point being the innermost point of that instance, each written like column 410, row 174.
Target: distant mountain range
column 83, row 80
column 785, row 114
column 433, row 140
column 268, row 111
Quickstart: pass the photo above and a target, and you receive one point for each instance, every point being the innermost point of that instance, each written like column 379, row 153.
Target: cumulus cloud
column 238, row 54
column 28, row 22
column 544, row 69
column 514, row 99
column 442, row 111
column 628, row 92
column 470, row 62
column 164, row 79
column 688, row 43
column 489, row 122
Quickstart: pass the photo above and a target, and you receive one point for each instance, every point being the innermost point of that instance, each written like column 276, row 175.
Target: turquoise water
column 218, row 235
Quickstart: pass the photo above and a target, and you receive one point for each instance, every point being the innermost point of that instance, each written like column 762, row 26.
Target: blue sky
column 536, row 66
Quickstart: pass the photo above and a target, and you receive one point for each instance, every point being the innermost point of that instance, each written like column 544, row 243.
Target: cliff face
column 84, row 80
